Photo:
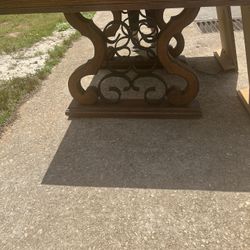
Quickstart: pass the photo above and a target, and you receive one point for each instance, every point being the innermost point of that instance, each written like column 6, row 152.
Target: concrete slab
column 129, row 184
column 210, row 13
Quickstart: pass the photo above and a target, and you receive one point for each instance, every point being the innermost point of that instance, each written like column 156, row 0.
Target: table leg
column 176, row 96
column 180, row 42
column 227, row 58
column 245, row 93
column 89, row 29
column 110, row 44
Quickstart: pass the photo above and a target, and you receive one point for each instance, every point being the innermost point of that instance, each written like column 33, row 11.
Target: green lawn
column 12, row 92
column 22, row 31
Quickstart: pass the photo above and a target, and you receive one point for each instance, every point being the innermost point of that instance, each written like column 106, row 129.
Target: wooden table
column 174, row 101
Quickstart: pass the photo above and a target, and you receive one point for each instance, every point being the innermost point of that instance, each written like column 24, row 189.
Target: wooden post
column 245, row 93
column 227, row 57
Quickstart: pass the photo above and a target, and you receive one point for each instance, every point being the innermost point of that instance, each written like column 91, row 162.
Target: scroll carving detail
column 118, row 50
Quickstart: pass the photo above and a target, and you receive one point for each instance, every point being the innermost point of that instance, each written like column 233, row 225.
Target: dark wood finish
column 174, row 103
column 140, row 63
column 89, row 29
column 103, row 58
column 38, row 6
column 133, row 109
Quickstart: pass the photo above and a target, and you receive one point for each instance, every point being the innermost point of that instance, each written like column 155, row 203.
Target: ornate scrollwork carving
column 116, row 47
column 87, row 28
column 180, row 42
column 121, row 45
column 177, row 96
column 131, row 84
column 120, row 36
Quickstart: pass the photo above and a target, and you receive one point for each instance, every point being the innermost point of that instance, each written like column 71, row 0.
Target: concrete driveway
column 210, row 13
column 129, row 183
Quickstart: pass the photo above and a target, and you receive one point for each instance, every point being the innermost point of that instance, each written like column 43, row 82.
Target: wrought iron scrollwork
column 125, row 43
column 131, row 85
column 122, row 36
column 134, row 56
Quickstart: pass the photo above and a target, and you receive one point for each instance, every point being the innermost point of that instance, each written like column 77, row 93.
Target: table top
column 41, row 6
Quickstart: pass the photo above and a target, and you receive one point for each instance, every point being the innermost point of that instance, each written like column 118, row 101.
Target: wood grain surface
column 39, row 6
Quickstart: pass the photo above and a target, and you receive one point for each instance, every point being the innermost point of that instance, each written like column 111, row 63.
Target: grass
column 22, row 31
column 14, row 91
column 55, row 56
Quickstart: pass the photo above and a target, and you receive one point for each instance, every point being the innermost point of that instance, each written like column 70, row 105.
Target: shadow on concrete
column 212, row 153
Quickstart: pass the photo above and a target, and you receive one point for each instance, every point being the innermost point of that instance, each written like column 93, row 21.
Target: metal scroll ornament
column 132, row 56
column 140, row 47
